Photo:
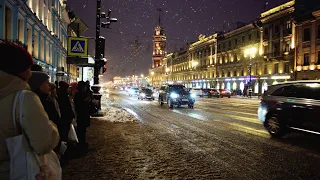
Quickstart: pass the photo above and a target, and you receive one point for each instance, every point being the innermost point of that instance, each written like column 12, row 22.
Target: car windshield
column 179, row 88
column 147, row 90
column 134, row 89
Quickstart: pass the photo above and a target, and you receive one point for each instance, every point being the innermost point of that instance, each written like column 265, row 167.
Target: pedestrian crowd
column 50, row 117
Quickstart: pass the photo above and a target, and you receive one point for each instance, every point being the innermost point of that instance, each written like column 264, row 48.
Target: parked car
column 176, row 95
column 197, row 92
column 133, row 92
column 146, row 94
column 224, row 93
column 291, row 106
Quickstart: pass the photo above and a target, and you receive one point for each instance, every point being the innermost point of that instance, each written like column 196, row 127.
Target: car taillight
column 261, row 100
column 275, row 104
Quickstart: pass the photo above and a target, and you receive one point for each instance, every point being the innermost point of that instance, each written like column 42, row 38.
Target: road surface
column 220, row 138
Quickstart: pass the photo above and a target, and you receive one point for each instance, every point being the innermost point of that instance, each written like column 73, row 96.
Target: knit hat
column 14, row 59
column 63, row 85
column 37, row 79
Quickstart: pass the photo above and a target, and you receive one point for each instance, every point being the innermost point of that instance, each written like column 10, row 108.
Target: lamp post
column 251, row 52
column 167, row 73
column 194, row 65
column 152, row 74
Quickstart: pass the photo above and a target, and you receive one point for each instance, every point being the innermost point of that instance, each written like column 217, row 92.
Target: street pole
column 250, row 73
column 97, row 54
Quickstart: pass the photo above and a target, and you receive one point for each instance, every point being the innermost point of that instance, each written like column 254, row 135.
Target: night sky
column 183, row 21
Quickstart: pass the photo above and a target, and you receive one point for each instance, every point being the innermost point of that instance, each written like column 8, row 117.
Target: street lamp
column 152, row 74
column 142, row 75
column 194, row 64
column 251, row 53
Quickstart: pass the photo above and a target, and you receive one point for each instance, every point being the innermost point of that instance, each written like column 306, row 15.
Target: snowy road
column 219, row 139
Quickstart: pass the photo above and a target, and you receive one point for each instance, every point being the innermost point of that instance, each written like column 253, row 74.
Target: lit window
column 276, row 68
column 288, row 24
column 287, row 46
column 306, row 60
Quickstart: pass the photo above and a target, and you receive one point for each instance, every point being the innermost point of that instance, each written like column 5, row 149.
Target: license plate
column 185, row 100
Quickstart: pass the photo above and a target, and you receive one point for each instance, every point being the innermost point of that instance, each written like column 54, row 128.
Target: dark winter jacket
column 50, row 108
column 82, row 109
column 66, row 111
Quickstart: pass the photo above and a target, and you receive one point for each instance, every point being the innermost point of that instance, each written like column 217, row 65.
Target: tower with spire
column 159, row 43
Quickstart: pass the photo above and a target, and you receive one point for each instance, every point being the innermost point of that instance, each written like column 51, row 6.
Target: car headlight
column 154, row 94
column 131, row 92
column 193, row 95
column 143, row 94
column 174, row 95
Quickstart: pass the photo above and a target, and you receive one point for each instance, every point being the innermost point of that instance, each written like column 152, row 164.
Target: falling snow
column 183, row 21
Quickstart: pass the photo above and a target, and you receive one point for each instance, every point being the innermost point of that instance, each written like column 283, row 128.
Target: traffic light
column 101, row 46
column 104, row 69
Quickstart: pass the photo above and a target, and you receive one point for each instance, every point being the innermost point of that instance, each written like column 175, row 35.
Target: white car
column 197, row 92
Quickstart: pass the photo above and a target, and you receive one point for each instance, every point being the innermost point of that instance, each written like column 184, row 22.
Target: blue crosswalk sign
column 77, row 46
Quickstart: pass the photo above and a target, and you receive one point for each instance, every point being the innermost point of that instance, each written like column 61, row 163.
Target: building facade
column 41, row 26
column 278, row 47
column 308, row 47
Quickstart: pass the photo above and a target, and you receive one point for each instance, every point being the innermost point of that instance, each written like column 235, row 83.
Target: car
column 214, row 93
column 133, row 91
column 146, row 94
column 290, row 106
column 197, row 92
column 176, row 95
column 224, row 93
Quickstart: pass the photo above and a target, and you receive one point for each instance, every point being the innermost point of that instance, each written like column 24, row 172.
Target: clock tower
column 159, row 44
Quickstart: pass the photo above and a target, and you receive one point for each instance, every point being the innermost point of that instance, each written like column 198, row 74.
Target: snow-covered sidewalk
column 114, row 114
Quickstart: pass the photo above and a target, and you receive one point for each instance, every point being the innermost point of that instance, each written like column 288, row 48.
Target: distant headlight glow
column 154, row 94
column 193, row 95
column 143, row 94
column 174, row 95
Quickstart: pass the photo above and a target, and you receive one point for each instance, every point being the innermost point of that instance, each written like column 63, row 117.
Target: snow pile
column 113, row 114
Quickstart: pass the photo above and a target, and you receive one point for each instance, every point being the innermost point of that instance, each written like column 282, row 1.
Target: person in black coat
column 39, row 83
column 67, row 114
column 81, row 102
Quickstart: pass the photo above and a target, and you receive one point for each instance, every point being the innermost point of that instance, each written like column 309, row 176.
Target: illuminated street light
column 152, row 74
column 167, row 70
column 142, row 75
column 194, row 64
column 251, row 52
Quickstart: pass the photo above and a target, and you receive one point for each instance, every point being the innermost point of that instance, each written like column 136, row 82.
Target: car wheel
column 190, row 106
column 138, row 98
column 274, row 127
column 229, row 96
column 160, row 101
column 170, row 104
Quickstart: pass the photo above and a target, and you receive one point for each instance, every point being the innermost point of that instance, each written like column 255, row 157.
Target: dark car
column 291, row 106
column 146, row 94
column 176, row 95
column 224, row 93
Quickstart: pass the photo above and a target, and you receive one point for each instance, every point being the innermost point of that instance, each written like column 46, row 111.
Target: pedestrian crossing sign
column 77, row 46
